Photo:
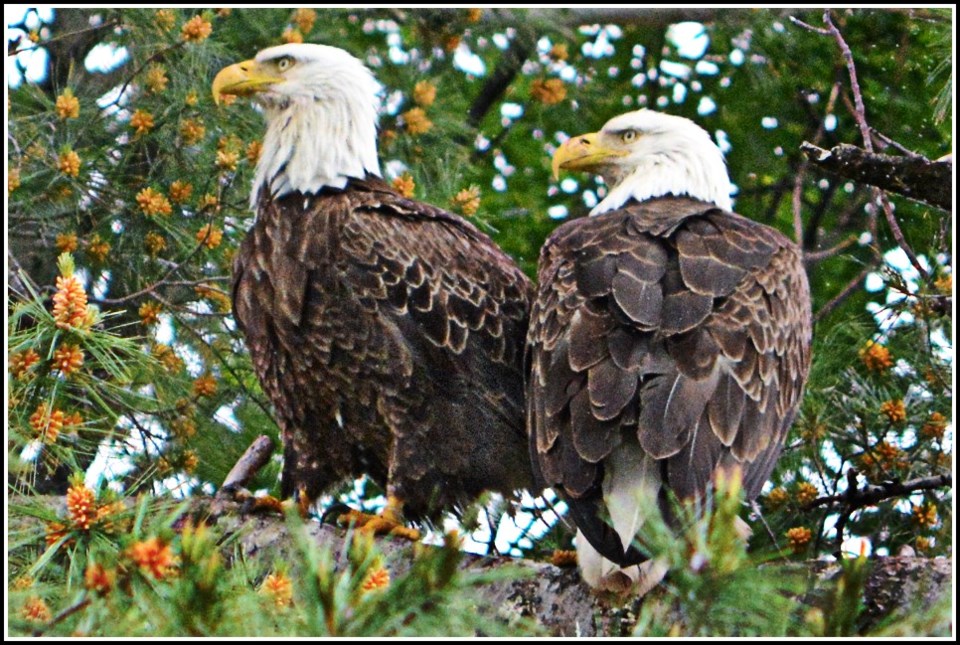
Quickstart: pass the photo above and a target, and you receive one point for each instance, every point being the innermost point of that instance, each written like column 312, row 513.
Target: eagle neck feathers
column 689, row 168
column 317, row 141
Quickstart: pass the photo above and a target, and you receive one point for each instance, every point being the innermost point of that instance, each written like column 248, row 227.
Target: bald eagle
column 387, row 333
column 669, row 341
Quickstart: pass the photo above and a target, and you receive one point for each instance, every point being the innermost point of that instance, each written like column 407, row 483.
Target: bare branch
column 887, row 141
column 498, row 82
column 913, row 176
column 159, row 283
column 860, row 113
column 844, row 293
column 816, row 30
column 898, row 234
column 817, row 256
column 856, row 498
column 66, row 613
column 654, row 17
column 252, row 460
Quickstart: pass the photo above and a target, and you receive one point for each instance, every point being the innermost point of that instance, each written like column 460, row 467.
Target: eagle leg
column 388, row 522
column 264, row 504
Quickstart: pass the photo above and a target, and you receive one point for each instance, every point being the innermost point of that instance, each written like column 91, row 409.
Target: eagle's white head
column 321, row 106
column 647, row 154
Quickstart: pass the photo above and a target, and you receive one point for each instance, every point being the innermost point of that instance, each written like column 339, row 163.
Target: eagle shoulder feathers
column 669, row 340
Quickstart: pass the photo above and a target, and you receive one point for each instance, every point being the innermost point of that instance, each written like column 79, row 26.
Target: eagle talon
column 378, row 525
column 564, row 558
column 265, row 504
column 334, row 512
column 251, row 505
column 388, row 522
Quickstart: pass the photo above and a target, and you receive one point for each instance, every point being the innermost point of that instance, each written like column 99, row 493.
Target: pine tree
column 129, row 387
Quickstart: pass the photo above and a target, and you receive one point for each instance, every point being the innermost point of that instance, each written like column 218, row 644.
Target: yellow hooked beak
column 243, row 79
column 582, row 152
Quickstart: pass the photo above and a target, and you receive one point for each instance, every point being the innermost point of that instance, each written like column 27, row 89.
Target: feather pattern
column 687, row 331
column 389, row 336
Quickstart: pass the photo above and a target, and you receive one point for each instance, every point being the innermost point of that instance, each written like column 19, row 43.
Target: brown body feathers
column 389, row 336
column 673, row 325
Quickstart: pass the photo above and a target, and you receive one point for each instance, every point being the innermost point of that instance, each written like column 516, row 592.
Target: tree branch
column 77, row 38
column 66, row 613
column 860, row 115
column 915, row 177
column 856, row 498
column 554, row 597
column 844, row 293
column 500, row 80
column 816, row 256
column 253, row 459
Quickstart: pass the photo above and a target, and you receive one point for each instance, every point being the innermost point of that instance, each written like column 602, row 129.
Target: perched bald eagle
column 669, row 341
column 387, row 333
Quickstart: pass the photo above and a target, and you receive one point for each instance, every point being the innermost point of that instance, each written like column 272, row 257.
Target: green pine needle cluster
column 129, row 185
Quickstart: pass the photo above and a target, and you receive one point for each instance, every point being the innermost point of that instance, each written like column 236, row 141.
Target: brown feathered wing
column 388, row 334
column 672, row 324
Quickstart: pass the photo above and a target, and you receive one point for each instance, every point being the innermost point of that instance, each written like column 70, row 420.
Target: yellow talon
column 388, row 522
column 563, row 558
column 266, row 504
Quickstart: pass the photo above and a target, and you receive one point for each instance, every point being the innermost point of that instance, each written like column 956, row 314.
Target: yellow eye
column 284, row 63
column 629, row 136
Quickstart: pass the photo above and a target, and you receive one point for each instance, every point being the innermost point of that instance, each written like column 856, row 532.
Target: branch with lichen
column 859, row 114
column 912, row 176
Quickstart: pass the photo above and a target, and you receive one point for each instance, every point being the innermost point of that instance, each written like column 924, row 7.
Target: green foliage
column 136, row 172
column 714, row 586
column 65, row 408
column 847, row 597
column 153, row 573
column 878, row 404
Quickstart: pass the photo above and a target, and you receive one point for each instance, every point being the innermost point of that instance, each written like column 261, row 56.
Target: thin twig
column 816, row 30
column 890, row 142
column 871, row 494
column 817, row 256
column 193, row 283
column 796, row 203
column 253, row 396
column 844, row 293
column 66, row 613
column 172, row 307
column 32, row 46
column 804, row 163
column 860, row 114
column 773, row 538
column 159, row 283
column 897, row 233
column 152, row 58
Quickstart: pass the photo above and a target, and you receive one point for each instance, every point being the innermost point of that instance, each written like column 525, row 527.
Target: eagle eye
column 628, row 136
column 284, row 63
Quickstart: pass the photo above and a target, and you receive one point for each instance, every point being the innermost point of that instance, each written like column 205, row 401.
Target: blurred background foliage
column 117, row 156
